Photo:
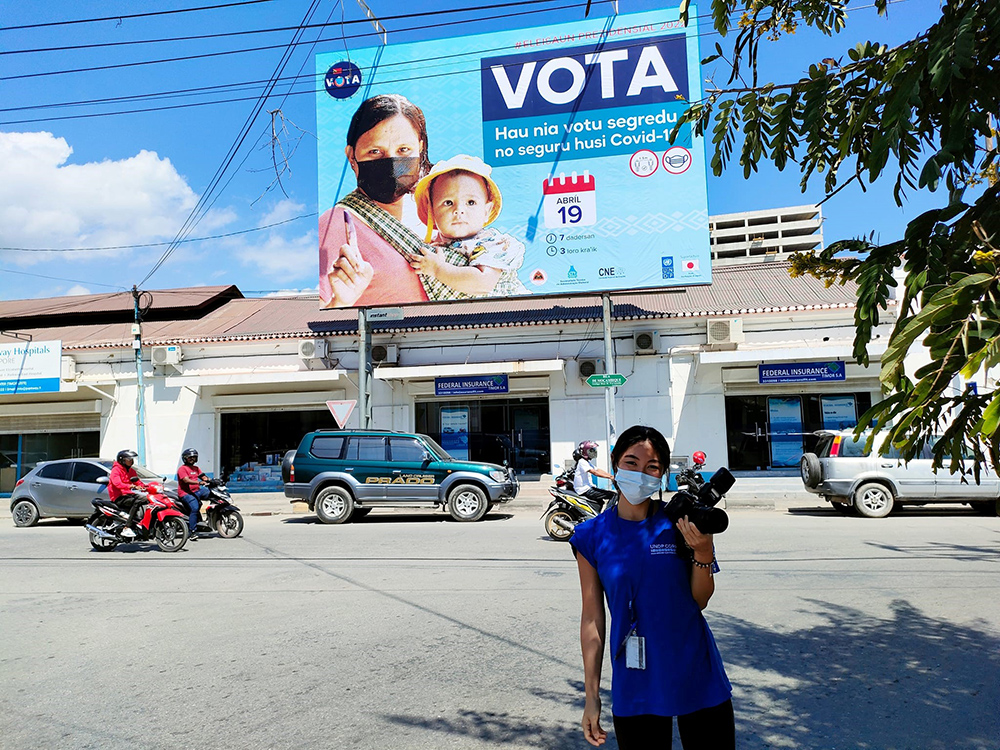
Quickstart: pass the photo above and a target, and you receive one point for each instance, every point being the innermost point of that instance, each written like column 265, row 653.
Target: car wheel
column 553, row 529
column 811, row 470
column 25, row 513
column 334, row 505
column 873, row 500
column 467, row 503
column 986, row 508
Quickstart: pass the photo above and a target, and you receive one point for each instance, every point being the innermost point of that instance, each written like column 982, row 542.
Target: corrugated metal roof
column 163, row 299
column 735, row 290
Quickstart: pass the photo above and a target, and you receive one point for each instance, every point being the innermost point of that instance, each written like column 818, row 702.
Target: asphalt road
column 413, row 631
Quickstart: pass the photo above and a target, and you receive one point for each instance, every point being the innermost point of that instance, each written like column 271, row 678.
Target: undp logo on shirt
column 343, row 80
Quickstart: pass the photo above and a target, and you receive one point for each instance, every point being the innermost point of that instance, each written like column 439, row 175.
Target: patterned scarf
column 404, row 241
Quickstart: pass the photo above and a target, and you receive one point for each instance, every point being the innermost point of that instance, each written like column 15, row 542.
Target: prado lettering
column 553, row 130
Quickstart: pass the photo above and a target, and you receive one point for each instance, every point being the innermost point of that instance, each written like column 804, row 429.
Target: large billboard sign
column 520, row 162
column 30, row 367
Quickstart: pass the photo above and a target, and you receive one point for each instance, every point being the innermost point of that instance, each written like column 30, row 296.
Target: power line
column 234, row 87
column 198, row 212
column 271, row 30
column 154, row 244
column 58, row 278
column 183, row 58
column 130, row 16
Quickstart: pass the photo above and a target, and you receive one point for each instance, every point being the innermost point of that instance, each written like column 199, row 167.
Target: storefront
column 770, row 424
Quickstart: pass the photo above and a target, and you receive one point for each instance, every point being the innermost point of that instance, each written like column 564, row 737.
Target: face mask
column 387, row 180
column 636, row 486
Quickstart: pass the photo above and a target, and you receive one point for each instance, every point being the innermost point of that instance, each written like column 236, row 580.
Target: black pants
column 708, row 729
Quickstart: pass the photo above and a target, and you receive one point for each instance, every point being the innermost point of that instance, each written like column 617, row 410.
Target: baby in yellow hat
column 460, row 200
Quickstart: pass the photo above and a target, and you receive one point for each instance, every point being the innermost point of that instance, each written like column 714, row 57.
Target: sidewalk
column 761, row 492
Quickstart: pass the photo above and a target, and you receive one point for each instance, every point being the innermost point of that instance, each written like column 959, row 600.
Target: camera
column 698, row 501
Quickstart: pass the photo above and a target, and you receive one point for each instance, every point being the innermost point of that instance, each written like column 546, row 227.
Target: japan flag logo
column 690, row 265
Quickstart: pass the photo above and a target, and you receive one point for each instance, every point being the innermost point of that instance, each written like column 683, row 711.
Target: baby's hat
column 460, row 163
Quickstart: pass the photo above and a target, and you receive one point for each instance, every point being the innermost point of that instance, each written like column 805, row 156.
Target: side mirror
column 426, row 457
column 102, row 480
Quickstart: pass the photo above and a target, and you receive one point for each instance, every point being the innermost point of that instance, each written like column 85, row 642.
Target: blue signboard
column 470, row 386
column 564, row 130
column 801, row 372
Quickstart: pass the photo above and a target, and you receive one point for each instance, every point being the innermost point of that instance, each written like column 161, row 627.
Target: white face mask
column 636, row 486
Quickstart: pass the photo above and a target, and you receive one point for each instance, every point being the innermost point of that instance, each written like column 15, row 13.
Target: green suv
column 343, row 474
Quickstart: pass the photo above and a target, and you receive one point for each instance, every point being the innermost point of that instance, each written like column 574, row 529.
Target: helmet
column 122, row 455
column 587, row 449
column 189, row 456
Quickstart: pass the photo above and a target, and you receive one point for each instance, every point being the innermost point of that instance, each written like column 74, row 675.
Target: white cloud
column 77, row 290
column 278, row 259
column 281, row 211
column 47, row 201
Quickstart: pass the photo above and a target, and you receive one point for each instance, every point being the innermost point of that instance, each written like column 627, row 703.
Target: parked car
column 64, row 489
column 343, row 474
column 844, row 473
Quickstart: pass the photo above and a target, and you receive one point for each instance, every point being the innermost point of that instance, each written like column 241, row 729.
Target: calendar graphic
column 569, row 201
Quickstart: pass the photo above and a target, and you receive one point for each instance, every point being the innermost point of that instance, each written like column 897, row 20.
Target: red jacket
column 120, row 482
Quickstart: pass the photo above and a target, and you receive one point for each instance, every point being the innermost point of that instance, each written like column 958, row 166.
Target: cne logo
column 342, row 80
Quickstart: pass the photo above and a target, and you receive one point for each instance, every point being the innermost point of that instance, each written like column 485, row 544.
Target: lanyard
column 633, row 589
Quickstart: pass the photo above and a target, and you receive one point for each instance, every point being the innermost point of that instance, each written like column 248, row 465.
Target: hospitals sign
column 30, row 367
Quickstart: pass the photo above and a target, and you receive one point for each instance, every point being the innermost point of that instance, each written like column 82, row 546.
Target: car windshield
column 437, row 450
column 145, row 473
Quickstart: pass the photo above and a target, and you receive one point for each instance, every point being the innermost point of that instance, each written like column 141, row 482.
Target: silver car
column 64, row 489
column 853, row 479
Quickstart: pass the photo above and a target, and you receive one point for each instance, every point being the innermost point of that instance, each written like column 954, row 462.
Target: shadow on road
column 906, row 681
column 390, row 518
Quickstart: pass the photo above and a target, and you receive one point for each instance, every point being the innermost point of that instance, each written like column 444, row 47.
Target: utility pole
column 609, row 367
column 140, row 400
column 364, row 358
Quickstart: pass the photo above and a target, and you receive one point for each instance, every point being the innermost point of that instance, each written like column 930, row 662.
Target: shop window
column 327, row 447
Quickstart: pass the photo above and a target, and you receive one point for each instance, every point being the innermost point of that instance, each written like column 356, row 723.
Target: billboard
column 31, row 367
column 530, row 161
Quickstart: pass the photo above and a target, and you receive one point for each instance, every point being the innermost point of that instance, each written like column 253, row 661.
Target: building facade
column 745, row 370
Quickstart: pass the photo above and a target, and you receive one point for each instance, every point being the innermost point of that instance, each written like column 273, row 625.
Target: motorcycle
column 568, row 508
column 157, row 519
column 220, row 513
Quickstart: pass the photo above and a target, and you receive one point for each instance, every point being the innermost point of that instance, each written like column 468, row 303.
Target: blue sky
column 129, row 179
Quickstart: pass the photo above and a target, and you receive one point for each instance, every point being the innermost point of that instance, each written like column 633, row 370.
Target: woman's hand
column 349, row 275
column 592, row 722
column 700, row 544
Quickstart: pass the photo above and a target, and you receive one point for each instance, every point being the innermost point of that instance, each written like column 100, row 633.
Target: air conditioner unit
column 312, row 349
column 725, row 331
column 166, row 355
column 646, row 342
column 588, row 367
column 68, row 369
column 385, row 354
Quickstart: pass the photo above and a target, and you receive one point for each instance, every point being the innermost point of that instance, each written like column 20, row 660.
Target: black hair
column 383, row 107
column 638, row 434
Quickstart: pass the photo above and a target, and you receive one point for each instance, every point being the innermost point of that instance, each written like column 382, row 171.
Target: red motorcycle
column 157, row 519
column 220, row 513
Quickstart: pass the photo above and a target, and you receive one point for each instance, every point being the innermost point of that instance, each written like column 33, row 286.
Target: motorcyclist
column 121, row 485
column 583, row 476
column 190, row 487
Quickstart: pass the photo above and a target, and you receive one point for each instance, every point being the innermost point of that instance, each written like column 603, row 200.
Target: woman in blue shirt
column 664, row 659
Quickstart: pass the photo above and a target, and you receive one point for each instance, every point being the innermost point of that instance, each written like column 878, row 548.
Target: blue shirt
column 638, row 559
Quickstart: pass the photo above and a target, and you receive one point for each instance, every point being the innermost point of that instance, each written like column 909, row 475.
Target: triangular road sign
column 341, row 411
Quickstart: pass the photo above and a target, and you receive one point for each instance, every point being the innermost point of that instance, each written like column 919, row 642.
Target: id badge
column 635, row 652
